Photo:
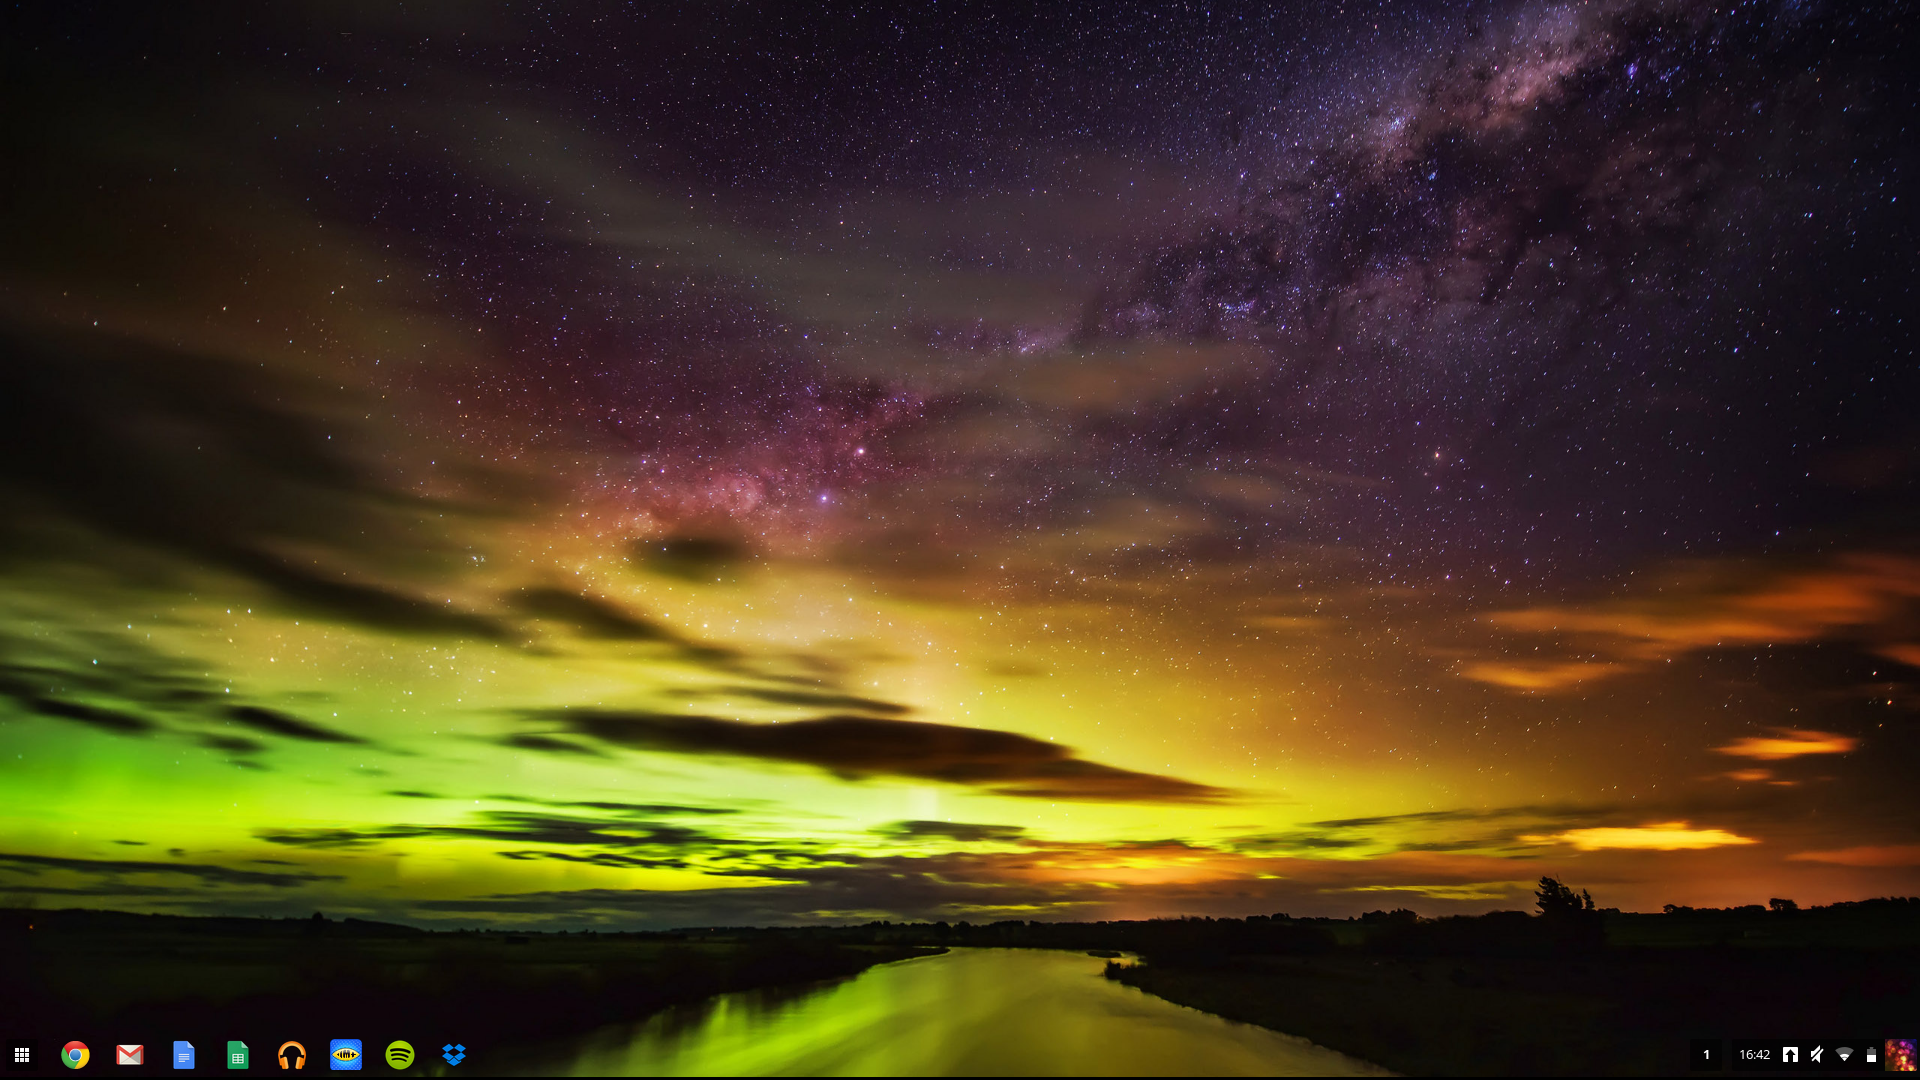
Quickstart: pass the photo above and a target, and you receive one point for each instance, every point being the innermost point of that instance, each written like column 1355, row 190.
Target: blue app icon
column 454, row 1053
column 344, row 1054
column 182, row 1054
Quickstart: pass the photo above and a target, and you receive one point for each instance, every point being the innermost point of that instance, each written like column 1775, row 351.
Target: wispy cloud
column 956, row 831
column 117, row 868
column 856, row 747
column 1867, row 855
column 1537, row 675
column 1788, row 743
column 1711, row 606
column 1667, row 836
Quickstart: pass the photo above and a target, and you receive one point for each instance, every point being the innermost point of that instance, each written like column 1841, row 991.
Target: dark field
column 1575, row 991
column 105, row 972
column 1504, row 996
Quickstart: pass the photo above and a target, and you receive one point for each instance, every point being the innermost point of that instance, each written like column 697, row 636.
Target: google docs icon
column 182, row 1054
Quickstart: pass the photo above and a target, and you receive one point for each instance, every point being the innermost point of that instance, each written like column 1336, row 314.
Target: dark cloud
column 274, row 722
column 1538, row 813
column 362, row 604
column 961, row 831
column 851, row 888
column 232, row 744
column 414, row 795
column 114, row 720
column 44, row 673
column 1272, row 842
column 193, row 455
column 590, row 617
column 547, row 744
column 639, row 809
column 213, row 875
column 599, row 858
column 813, row 699
column 508, row 826
column 690, row 558
column 856, row 747
column 866, row 888
column 602, row 620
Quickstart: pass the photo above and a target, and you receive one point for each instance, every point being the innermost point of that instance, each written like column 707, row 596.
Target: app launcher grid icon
column 129, row 1054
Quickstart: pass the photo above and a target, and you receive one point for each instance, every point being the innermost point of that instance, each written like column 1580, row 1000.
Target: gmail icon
column 124, row 1054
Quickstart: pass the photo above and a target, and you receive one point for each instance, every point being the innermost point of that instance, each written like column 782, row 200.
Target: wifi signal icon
column 399, row 1053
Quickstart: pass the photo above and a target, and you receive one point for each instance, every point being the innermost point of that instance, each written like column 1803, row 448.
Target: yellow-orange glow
column 1789, row 743
column 1536, row 676
column 1881, row 855
column 1702, row 611
column 1907, row 652
column 1669, row 836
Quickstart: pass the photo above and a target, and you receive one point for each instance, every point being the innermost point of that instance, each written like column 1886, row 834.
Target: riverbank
column 970, row 1012
column 106, row 971
column 1618, row 1012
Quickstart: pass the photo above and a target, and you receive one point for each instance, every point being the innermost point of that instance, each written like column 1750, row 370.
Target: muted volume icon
column 399, row 1053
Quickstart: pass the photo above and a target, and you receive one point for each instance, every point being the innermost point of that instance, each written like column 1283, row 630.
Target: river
column 977, row 1012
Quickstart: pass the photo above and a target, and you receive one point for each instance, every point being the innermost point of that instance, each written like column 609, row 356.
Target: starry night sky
column 630, row 466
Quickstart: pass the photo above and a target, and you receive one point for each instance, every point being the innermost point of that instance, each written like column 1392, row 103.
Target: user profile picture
column 1901, row 1056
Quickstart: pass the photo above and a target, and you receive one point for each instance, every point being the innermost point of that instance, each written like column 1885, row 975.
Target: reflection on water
column 970, row 1012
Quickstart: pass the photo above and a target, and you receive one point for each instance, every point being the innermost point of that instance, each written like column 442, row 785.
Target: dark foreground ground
column 1582, row 992
column 69, row 973
column 1624, row 1014
column 1627, row 1004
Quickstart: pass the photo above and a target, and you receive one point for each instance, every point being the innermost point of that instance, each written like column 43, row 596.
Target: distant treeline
column 1564, row 922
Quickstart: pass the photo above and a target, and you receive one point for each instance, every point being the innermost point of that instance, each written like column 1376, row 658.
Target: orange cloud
column 1883, row 855
column 1907, row 652
column 1709, row 608
column 1788, row 743
column 1668, row 836
column 1477, row 890
column 1536, row 676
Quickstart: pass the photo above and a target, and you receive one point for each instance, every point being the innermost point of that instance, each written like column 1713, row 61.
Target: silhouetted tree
column 1555, row 899
column 1781, row 904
